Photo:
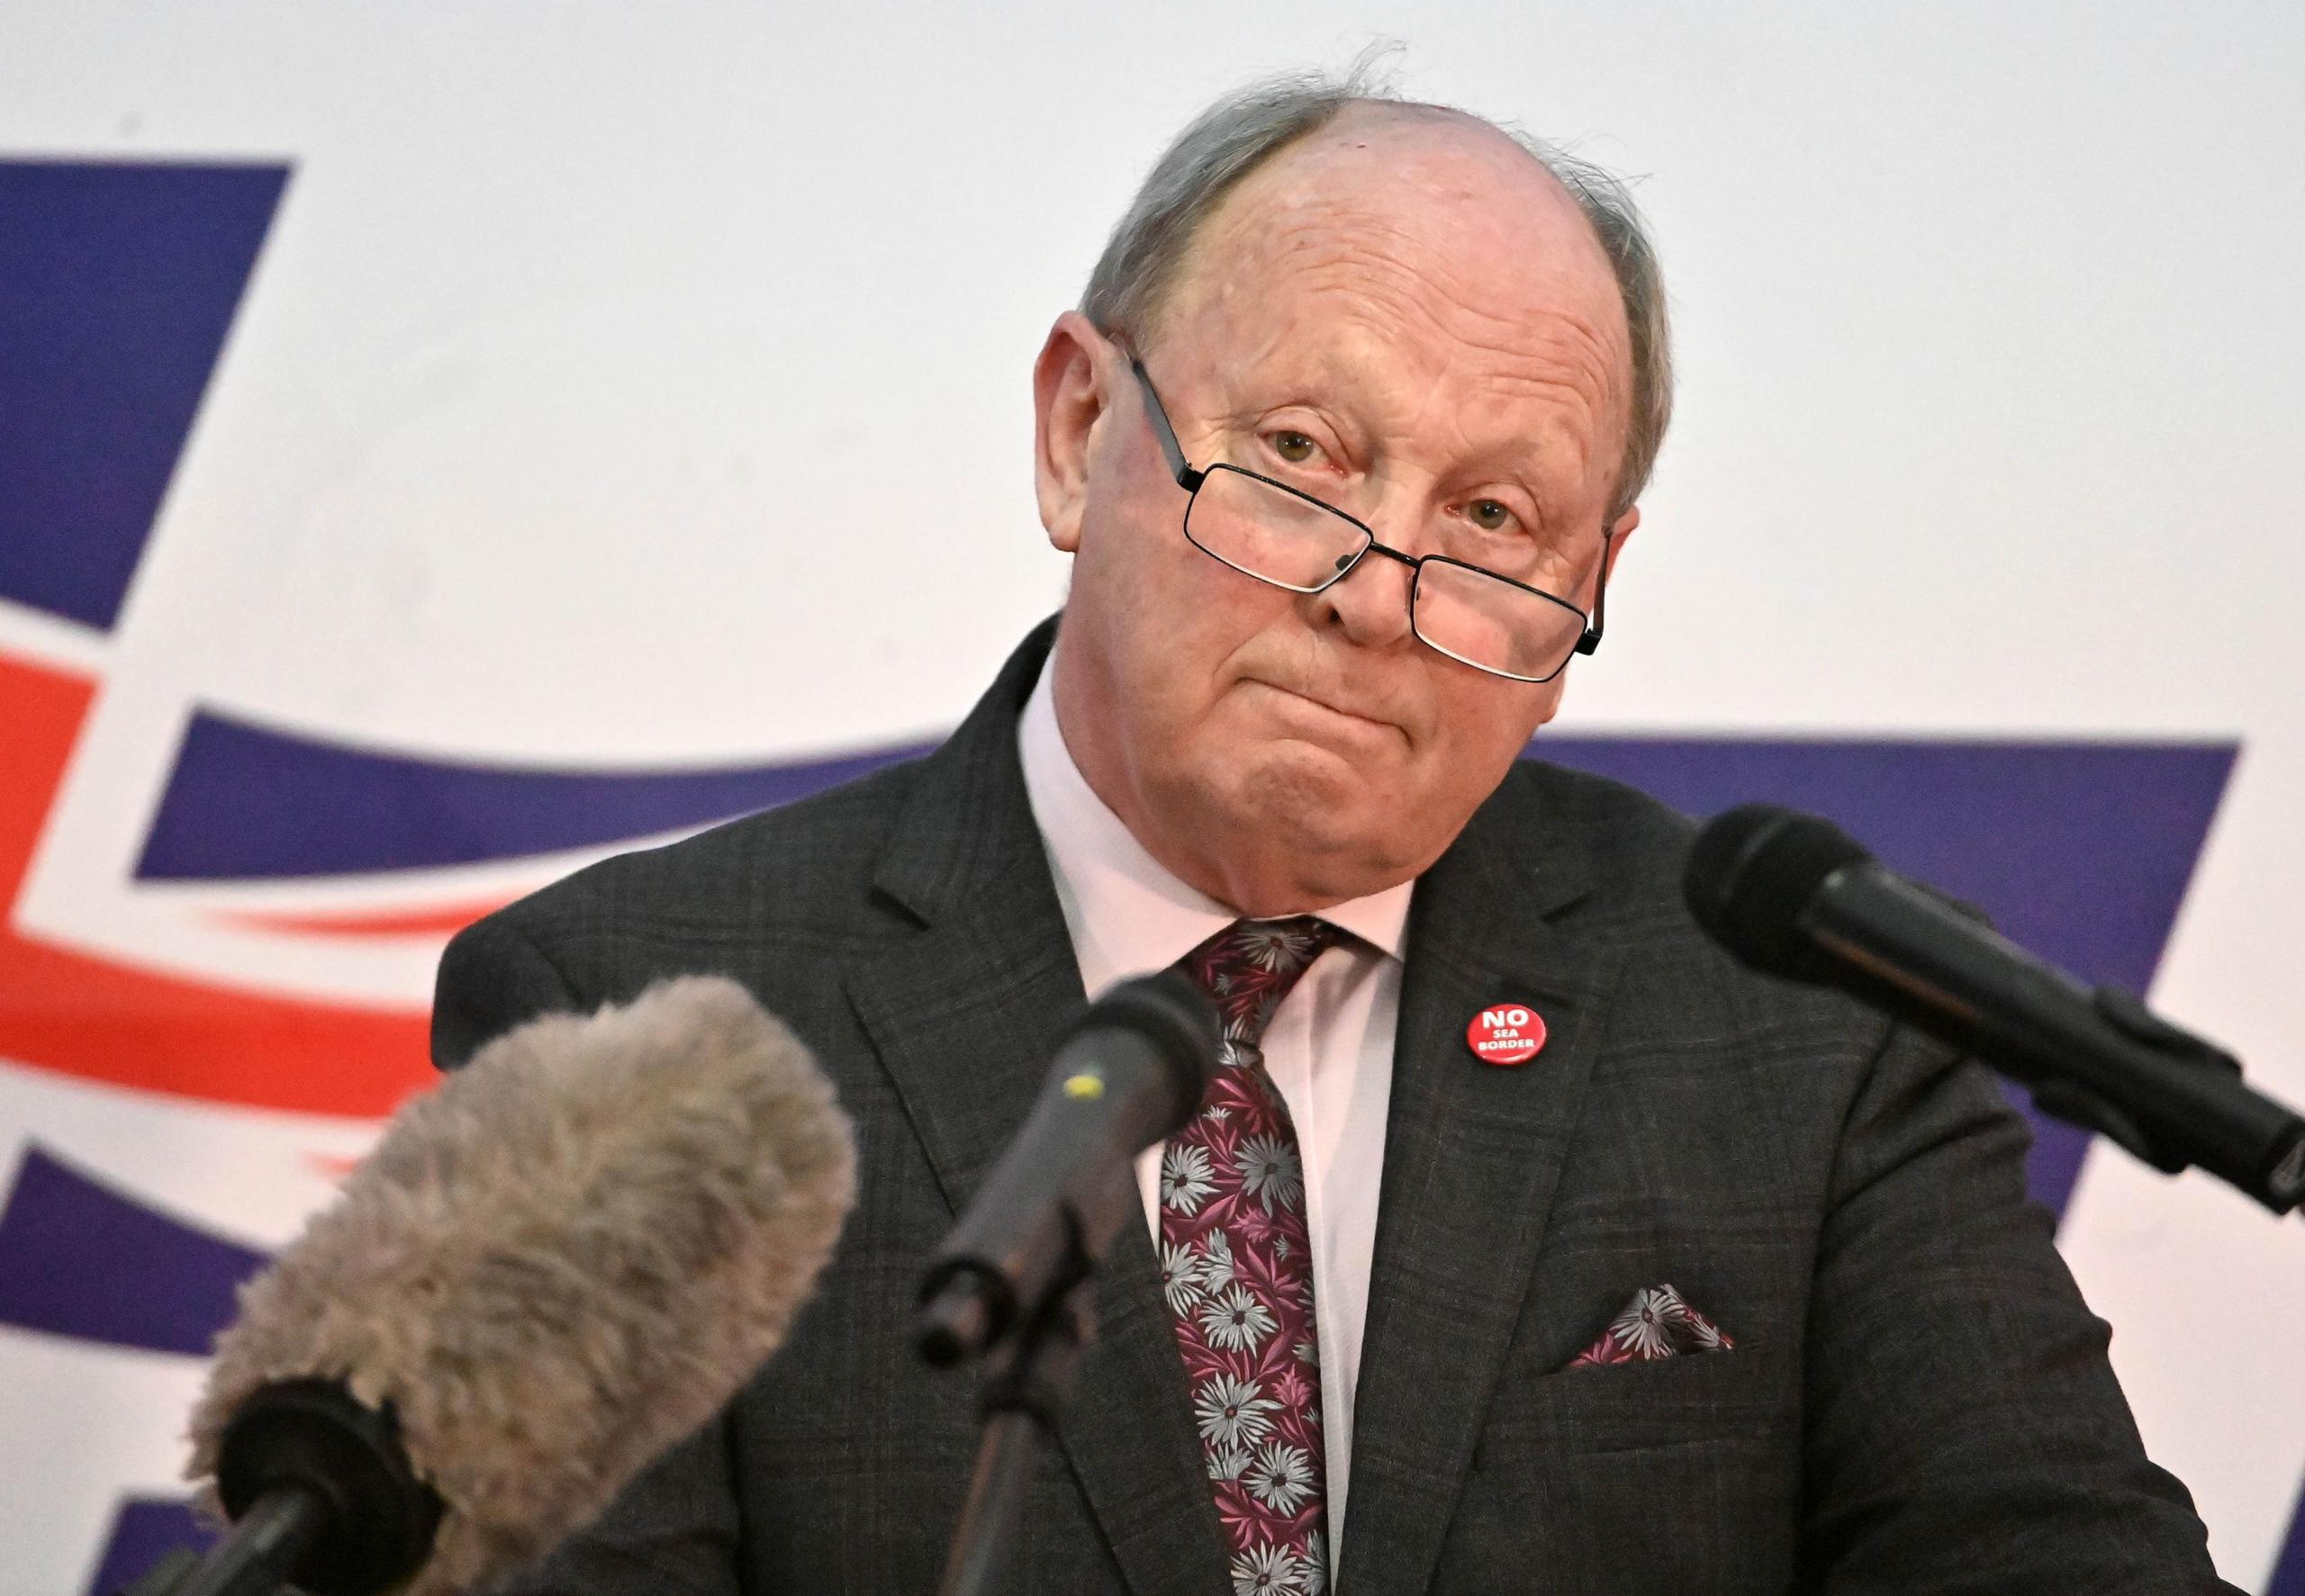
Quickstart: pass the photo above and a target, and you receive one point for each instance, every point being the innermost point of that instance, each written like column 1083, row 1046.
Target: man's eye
column 1488, row 515
column 1294, row 446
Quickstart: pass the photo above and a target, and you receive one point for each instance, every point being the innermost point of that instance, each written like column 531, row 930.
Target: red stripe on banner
column 87, row 1017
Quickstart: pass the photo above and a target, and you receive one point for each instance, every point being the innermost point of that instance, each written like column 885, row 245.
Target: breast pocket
column 1735, row 1395
column 1681, row 1474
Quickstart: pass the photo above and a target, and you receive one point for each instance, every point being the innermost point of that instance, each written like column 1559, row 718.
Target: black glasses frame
column 1190, row 477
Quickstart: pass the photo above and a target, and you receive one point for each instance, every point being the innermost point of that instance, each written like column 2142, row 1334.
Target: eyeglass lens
column 1265, row 531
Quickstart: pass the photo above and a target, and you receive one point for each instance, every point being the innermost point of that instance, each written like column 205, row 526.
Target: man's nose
column 1370, row 604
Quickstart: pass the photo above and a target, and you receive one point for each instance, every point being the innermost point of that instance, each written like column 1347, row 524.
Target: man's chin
column 1337, row 837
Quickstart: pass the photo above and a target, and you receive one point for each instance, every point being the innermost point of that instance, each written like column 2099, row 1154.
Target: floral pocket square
column 1656, row 1324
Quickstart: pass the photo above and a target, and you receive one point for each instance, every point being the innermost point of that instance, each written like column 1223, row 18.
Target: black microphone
column 551, row 1267
column 1131, row 1073
column 1793, row 896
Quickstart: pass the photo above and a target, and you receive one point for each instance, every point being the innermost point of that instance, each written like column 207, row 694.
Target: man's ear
column 1619, row 535
column 1068, row 401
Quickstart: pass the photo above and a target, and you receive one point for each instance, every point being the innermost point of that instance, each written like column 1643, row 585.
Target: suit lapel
column 1472, row 1154
column 965, row 1017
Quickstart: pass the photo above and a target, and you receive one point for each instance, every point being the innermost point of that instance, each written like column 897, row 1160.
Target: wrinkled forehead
column 1425, row 241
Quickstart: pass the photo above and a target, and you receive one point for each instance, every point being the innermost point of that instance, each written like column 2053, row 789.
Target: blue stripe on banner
column 118, row 283
column 145, row 1530
column 247, row 803
column 78, row 1259
column 2289, row 1569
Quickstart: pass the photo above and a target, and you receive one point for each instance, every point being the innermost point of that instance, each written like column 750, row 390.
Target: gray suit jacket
column 1918, row 1400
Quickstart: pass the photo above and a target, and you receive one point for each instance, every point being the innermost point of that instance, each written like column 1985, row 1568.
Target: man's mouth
column 1352, row 717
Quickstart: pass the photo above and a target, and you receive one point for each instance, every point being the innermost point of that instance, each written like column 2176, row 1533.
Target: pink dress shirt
column 1329, row 1047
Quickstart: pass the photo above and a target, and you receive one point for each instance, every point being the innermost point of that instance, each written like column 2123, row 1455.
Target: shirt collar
column 1128, row 916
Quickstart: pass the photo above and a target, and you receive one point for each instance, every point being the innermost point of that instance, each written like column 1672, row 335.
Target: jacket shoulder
column 1628, row 846
column 796, row 879
column 800, row 865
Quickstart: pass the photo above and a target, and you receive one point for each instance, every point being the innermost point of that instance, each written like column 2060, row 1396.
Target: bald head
column 1152, row 249
column 1424, row 226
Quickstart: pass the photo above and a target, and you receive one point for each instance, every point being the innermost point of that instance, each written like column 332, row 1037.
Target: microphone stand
column 253, row 1559
column 1011, row 1282
column 1028, row 1382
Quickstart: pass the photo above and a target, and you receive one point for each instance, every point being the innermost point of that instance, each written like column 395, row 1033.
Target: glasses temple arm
column 1187, row 477
column 1591, row 640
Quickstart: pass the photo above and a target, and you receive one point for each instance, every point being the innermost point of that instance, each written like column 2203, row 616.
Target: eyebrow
column 1522, row 458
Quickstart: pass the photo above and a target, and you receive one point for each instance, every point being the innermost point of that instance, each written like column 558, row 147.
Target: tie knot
column 1248, row 967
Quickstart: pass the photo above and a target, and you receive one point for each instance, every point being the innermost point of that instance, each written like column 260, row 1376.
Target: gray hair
column 1141, row 261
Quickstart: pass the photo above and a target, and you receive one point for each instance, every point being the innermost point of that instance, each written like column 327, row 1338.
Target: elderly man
column 1690, row 1283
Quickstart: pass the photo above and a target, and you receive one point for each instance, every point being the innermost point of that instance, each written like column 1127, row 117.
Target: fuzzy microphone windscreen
column 560, row 1262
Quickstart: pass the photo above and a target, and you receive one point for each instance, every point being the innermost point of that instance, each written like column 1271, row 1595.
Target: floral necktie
column 1238, row 1270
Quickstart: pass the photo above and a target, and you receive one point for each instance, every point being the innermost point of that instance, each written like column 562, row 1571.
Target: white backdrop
column 622, row 385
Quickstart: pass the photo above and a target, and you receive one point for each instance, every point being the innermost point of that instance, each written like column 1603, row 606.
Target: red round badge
column 1506, row 1033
